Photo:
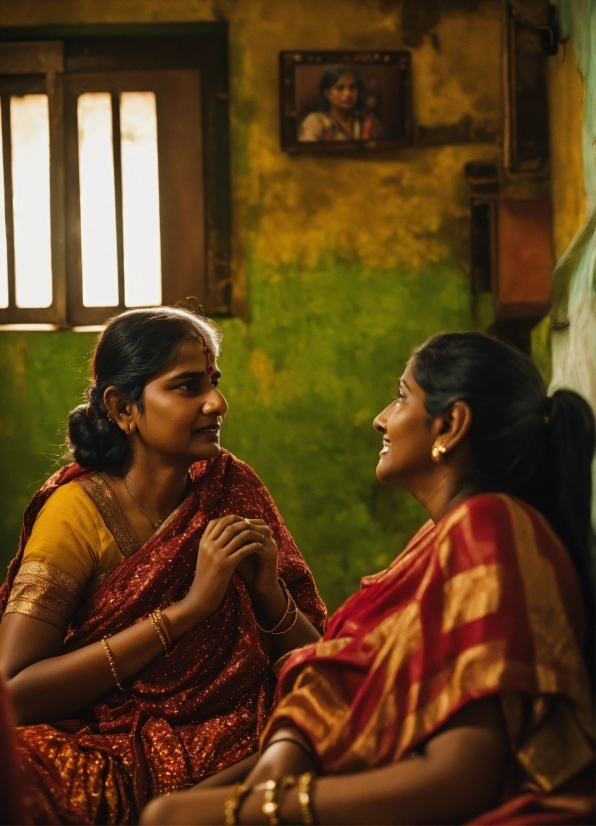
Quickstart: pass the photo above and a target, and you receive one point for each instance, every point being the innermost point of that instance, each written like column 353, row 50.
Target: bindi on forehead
column 207, row 351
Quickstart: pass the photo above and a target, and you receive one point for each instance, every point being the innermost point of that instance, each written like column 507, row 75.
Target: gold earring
column 437, row 451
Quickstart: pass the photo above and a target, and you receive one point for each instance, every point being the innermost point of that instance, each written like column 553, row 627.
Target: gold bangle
column 160, row 633
column 111, row 662
column 269, row 807
column 304, row 789
column 164, row 624
column 232, row 803
column 289, row 739
column 289, row 603
column 291, row 625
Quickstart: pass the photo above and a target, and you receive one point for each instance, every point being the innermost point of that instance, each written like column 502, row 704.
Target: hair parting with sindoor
column 133, row 347
column 523, row 442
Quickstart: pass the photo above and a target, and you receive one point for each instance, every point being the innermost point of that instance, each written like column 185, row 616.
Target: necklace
column 154, row 525
column 348, row 128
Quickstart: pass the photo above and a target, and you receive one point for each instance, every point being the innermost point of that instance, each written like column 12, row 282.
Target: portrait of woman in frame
column 337, row 101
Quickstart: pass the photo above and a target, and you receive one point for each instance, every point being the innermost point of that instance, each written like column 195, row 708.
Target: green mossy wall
column 341, row 266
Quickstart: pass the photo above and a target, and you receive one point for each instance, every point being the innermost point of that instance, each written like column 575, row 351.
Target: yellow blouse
column 79, row 537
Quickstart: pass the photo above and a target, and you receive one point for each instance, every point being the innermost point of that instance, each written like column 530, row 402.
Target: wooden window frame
column 57, row 55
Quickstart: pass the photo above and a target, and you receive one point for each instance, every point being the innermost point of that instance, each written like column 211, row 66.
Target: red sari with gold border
column 484, row 603
column 186, row 715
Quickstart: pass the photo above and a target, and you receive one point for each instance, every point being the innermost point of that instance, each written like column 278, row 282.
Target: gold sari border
column 44, row 592
column 106, row 503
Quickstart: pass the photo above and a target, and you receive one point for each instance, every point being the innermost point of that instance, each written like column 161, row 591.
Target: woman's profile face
column 343, row 94
column 407, row 437
column 183, row 409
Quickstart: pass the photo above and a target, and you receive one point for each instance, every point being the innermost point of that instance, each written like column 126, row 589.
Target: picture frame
column 342, row 101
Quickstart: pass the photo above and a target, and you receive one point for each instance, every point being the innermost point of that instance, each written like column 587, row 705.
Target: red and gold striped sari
column 484, row 603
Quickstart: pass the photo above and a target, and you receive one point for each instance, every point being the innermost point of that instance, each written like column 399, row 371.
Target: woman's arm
column 459, row 774
column 269, row 600
column 45, row 685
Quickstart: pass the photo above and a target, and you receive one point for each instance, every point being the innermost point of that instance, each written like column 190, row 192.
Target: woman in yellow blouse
column 107, row 581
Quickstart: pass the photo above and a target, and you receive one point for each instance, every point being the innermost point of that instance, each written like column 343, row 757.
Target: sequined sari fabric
column 10, row 785
column 484, row 603
column 188, row 714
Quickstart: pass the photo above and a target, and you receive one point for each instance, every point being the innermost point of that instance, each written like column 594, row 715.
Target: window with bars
column 114, row 176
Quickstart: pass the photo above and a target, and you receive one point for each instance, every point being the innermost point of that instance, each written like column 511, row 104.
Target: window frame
column 125, row 48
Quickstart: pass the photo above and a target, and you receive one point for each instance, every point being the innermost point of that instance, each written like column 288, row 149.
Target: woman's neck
column 344, row 118
column 157, row 489
column 447, row 492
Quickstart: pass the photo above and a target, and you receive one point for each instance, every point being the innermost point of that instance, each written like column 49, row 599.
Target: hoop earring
column 437, row 451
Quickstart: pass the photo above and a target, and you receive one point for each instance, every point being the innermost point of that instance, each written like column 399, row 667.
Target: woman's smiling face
column 407, row 436
column 182, row 407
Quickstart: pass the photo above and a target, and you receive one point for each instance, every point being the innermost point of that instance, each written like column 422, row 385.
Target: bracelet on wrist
column 233, row 802
column 270, row 807
column 287, row 738
column 110, row 657
column 161, row 625
column 305, row 782
column 291, row 608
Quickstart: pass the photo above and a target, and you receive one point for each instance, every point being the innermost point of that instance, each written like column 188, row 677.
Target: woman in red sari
column 453, row 687
column 133, row 665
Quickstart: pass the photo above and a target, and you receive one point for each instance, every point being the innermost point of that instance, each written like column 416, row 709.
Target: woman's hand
column 458, row 775
column 190, row 807
column 259, row 571
column 204, row 804
column 226, row 542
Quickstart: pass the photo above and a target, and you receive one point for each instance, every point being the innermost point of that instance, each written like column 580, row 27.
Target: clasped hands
column 232, row 543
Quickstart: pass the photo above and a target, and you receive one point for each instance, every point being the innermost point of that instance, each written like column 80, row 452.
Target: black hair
column 523, row 442
column 330, row 78
column 133, row 347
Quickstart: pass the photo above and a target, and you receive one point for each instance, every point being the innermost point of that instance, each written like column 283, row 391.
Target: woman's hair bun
column 94, row 441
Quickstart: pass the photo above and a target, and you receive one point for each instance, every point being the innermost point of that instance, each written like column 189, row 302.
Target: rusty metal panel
column 525, row 259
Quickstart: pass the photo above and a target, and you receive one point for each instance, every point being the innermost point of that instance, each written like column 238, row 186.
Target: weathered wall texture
column 341, row 266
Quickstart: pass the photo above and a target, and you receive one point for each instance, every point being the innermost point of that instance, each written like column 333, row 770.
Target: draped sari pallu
column 484, row 603
column 188, row 714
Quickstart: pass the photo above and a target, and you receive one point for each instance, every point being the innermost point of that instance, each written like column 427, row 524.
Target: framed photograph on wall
column 342, row 101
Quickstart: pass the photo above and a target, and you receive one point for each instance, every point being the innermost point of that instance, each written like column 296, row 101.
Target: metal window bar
column 117, row 150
